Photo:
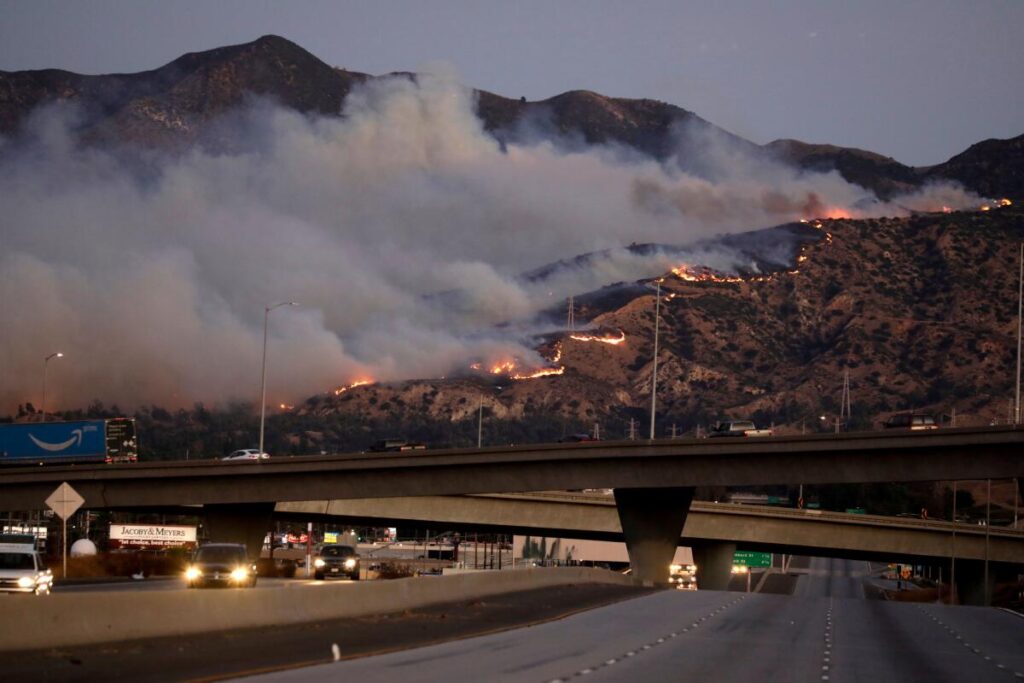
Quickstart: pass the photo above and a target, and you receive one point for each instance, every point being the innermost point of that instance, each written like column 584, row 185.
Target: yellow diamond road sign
column 65, row 500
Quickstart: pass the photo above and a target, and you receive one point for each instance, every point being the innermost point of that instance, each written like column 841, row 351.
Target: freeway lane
column 680, row 635
column 829, row 577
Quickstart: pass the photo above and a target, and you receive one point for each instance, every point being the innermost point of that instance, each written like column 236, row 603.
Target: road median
column 63, row 620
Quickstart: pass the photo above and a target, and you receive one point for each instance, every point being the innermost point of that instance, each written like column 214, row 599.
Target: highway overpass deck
column 750, row 527
column 949, row 454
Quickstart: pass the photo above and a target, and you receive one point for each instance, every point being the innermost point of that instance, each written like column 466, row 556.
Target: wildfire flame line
column 509, row 368
column 363, row 382
column 606, row 339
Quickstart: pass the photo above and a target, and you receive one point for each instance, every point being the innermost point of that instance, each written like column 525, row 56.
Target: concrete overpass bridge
column 653, row 480
column 713, row 530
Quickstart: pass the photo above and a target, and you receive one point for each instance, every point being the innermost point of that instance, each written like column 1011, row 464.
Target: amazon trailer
column 32, row 443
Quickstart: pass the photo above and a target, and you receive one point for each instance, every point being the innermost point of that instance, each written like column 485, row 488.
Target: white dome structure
column 82, row 548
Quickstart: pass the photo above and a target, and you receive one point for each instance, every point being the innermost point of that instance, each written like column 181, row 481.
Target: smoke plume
column 152, row 276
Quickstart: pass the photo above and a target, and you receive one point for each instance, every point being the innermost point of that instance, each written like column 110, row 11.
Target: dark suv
column 912, row 421
column 336, row 560
column 221, row 564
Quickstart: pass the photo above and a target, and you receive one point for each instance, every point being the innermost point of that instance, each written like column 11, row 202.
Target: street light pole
column 263, row 373
column 480, row 423
column 654, row 371
column 1020, row 303
column 46, row 362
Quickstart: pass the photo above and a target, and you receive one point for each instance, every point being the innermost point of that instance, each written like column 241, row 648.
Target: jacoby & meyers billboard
column 152, row 536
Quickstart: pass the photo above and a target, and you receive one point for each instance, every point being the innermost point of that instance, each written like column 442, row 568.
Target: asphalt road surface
column 828, row 577
column 827, row 633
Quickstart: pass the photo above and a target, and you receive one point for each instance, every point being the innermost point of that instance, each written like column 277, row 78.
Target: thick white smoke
column 400, row 228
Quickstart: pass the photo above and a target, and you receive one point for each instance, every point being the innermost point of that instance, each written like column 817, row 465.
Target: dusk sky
column 916, row 80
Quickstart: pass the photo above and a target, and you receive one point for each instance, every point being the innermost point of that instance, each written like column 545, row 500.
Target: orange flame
column 606, row 339
column 358, row 383
column 702, row 274
column 543, row 372
column 504, row 368
column 509, row 368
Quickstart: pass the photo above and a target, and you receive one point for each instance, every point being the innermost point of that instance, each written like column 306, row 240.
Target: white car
column 22, row 570
column 247, row 454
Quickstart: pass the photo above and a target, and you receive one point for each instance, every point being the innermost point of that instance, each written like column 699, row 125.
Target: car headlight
column 319, row 562
column 350, row 564
column 240, row 574
column 193, row 573
column 26, row 582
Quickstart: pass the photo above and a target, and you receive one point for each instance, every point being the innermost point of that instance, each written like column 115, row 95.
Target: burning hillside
column 901, row 303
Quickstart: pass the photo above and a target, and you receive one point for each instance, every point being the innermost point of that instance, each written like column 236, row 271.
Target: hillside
column 921, row 311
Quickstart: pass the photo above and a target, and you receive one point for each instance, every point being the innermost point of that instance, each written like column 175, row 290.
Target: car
column 335, row 559
column 683, row 577
column 912, row 421
column 22, row 570
column 744, row 428
column 246, row 454
column 221, row 564
column 396, row 445
column 577, row 438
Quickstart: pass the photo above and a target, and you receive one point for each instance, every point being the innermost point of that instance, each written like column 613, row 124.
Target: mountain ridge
column 169, row 106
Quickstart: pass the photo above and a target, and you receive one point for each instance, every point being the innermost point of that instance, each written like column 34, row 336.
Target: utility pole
column 845, row 409
column 654, row 366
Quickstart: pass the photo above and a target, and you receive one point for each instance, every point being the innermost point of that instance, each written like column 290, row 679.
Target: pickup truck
column 737, row 428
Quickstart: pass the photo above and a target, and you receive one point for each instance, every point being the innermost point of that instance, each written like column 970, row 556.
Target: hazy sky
column 918, row 80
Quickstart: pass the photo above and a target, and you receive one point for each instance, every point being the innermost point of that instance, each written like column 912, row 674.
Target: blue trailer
column 30, row 443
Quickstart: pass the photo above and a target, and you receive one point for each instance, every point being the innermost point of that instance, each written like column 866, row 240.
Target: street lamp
column 46, row 362
column 654, row 372
column 263, row 374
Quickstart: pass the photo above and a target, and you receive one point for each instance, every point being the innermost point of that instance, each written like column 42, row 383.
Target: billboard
column 152, row 536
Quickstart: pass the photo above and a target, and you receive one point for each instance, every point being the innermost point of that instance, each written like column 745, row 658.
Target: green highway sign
column 748, row 559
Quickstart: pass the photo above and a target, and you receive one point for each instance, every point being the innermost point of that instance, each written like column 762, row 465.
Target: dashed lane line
column 649, row 646
column 977, row 651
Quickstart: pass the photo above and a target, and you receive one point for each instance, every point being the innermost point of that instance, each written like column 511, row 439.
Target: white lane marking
column 963, row 642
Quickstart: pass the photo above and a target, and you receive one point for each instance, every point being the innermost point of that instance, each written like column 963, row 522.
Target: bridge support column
column 246, row 523
column 970, row 581
column 652, row 521
column 714, row 565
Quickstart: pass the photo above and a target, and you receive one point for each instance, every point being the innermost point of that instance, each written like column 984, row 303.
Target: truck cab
column 22, row 570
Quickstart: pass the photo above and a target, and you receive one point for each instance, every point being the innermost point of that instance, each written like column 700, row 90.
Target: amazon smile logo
column 76, row 439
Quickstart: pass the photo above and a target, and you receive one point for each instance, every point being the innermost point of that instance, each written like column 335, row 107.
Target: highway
column 175, row 584
column 826, row 632
column 829, row 577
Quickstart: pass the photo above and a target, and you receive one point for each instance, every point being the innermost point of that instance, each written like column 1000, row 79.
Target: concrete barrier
column 65, row 619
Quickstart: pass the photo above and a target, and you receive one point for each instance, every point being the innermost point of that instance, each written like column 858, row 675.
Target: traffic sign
column 745, row 558
column 65, row 501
